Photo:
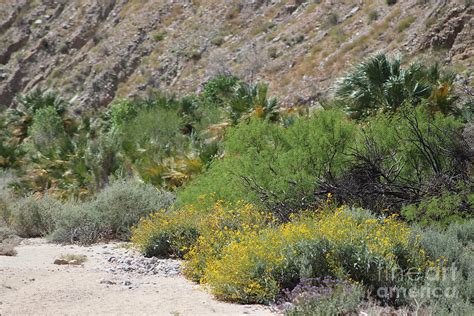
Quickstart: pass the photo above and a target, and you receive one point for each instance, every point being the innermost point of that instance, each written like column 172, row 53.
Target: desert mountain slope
column 97, row 50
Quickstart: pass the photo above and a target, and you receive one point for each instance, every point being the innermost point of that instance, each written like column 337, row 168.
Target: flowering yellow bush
column 257, row 266
column 223, row 225
column 166, row 234
column 247, row 256
column 201, row 231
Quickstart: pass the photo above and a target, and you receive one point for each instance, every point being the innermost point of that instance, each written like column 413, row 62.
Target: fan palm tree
column 16, row 122
column 252, row 99
column 20, row 118
column 380, row 83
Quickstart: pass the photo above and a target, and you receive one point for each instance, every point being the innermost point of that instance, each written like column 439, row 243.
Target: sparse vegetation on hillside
column 178, row 45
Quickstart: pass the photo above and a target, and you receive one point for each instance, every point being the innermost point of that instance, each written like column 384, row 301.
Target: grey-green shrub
column 111, row 214
column 455, row 247
column 78, row 223
column 449, row 243
column 324, row 296
column 6, row 196
column 5, row 200
column 6, row 233
column 35, row 217
column 123, row 203
column 453, row 294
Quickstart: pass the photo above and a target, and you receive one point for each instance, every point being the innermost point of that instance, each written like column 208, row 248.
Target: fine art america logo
column 434, row 283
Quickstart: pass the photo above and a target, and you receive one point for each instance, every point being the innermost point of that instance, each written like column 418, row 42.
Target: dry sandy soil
column 31, row 284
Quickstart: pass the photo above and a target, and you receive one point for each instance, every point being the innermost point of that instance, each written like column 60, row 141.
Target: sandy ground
column 30, row 284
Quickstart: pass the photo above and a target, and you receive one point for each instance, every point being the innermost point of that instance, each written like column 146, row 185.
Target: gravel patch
column 133, row 262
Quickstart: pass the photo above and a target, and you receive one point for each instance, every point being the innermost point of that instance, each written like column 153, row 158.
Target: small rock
column 61, row 262
column 107, row 282
column 287, row 306
column 127, row 283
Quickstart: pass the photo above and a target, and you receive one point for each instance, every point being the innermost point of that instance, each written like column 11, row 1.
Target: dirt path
column 31, row 284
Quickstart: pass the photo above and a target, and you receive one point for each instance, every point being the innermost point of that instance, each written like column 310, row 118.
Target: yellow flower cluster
column 167, row 233
column 223, row 225
column 197, row 232
column 247, row 256
column 251, row 269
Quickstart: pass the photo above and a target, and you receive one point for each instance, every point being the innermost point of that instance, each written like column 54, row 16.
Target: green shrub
column 121, row 112
column 216, row 182
column 389, row 162
column 425, row 143
column 156, row 129
column 405, row 23
column 19, row 119
column 47, row 131
column 441, row 210
column 391, row 2
column 268, row 164
column 403, row 158
column 158, row 37
column 331, row 20
column 35, row 216
column 372, row 16
column 220, row 89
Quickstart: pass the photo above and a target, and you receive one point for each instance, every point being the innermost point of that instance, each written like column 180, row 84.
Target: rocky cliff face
column 97, row 50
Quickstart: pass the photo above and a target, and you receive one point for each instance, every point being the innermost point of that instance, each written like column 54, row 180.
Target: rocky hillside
column 97, row 50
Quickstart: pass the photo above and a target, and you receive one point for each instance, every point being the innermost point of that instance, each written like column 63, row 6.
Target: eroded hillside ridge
column 97, row 50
